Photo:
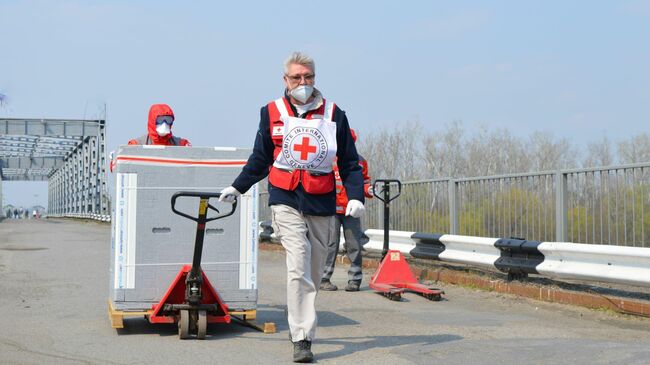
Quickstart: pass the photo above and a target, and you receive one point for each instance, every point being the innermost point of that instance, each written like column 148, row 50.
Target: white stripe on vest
column 282, row 107
column 329, row 111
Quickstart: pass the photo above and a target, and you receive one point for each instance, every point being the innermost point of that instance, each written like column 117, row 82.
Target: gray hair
column 300, row 59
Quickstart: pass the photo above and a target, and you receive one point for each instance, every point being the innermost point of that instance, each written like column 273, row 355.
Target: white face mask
column 302, row 93
column 163, row 129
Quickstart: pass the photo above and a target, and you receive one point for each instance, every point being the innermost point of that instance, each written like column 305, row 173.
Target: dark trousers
column 354, row 238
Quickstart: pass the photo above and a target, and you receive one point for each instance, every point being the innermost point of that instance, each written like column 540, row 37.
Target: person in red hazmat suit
column 354, row 235
column 159, row 128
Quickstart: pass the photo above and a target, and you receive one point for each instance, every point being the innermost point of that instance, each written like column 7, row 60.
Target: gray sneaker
column 328, row 286
column 353, row 285
column 302, row 351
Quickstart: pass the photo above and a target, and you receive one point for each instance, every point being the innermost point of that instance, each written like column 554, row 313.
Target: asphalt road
column 53, row 302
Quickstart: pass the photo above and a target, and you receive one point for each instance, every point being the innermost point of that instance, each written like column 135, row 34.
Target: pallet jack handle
column 201, row 220
column 194, row 277
column 384, row 195
column 203, row 205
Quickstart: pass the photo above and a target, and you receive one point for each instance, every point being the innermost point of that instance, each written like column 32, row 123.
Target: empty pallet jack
column 394, row 276
column 191, row 301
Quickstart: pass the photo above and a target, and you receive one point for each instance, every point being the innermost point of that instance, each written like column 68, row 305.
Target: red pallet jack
column 394, row 276
column 191, row 301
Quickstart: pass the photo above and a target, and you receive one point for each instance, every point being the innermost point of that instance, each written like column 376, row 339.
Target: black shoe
column 328, row 286
column 353, row 285
column 302, row 351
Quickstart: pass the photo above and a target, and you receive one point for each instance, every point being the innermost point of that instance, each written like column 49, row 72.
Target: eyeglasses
column 297, row 78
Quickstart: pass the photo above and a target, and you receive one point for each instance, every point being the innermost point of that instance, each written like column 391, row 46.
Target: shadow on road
column 351, row 345
column 278, row 315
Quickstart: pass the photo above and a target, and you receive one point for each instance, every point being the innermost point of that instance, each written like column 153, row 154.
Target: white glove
column 355, row 209
column 229, row 194
column 371, row 191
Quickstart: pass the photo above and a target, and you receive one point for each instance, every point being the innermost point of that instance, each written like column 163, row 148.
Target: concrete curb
column 471, row 278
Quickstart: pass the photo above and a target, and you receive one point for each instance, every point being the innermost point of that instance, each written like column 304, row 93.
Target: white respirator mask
column 302, row 93
column 163, row 129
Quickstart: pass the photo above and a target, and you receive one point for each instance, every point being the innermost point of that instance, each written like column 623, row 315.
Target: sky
column 578, row 69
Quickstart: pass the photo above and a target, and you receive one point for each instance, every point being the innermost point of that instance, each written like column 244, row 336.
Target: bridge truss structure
column 69, row 154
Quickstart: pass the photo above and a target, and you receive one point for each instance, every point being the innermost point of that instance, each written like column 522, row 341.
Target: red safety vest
column 312, row 183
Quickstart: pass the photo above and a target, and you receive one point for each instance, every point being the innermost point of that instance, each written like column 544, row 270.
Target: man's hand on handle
column 355, row 209
column 229, row 194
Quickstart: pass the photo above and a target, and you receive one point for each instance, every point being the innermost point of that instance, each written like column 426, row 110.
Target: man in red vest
column 351, row 230
column 159, row 128
column 299, row 137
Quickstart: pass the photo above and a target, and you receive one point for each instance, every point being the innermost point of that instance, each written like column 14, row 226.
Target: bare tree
column 493, row 152
column 409, row 152
column 443, row 152
column 395, row 153
column 636, row 149
column 548, row 153
column 599, row 153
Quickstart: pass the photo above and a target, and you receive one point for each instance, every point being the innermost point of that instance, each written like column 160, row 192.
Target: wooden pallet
column 248, row 316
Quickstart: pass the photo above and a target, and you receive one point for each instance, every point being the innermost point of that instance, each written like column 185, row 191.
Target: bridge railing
column 605, row 205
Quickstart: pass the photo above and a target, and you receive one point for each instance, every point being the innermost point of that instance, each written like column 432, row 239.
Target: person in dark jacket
column 352, row 231
column 159, row 128
column 299, row 137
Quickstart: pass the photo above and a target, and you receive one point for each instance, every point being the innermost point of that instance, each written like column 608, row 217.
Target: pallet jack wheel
column 201, row 325
column 394, row 296
column 184, row 325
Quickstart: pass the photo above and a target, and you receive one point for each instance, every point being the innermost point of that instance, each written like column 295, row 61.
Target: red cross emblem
column 305, row 148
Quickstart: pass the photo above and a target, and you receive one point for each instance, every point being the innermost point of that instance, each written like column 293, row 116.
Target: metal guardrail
column 97, row 217
column 518, row 258
column 556, row 260
column 607, row 205
column 624, row 265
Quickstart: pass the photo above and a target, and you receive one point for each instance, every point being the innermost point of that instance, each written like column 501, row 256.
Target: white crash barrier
column 470, row 250
column 562, row 260
column 616, row 264
column 398, row 240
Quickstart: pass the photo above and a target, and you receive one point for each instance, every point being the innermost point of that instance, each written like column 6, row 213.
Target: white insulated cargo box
column 150, row 243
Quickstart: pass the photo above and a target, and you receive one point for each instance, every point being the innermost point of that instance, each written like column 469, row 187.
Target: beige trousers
column 305, row 239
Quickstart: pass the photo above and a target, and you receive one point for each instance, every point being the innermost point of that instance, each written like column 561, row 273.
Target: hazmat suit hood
column 156, row 111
